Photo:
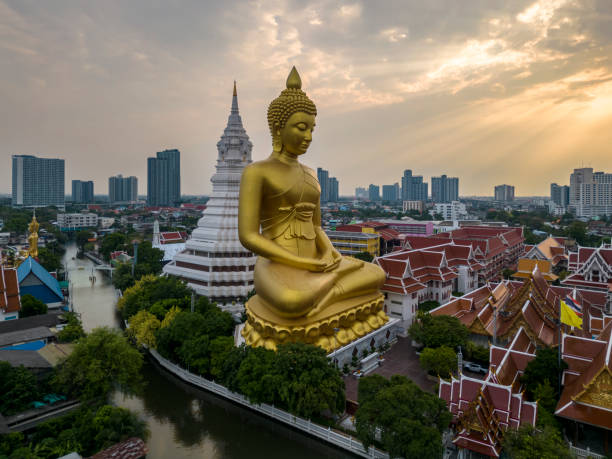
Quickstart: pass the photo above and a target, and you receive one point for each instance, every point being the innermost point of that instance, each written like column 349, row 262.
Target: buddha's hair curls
column 291, row 100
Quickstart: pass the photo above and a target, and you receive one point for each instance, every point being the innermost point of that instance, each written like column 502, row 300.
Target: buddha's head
column 291, row 118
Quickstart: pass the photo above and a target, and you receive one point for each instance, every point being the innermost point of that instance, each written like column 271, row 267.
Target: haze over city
column 490, row 92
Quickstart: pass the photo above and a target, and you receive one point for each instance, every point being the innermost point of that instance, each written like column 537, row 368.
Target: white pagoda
column 214, row 262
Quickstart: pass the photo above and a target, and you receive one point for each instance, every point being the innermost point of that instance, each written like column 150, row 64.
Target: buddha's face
column 297, row 133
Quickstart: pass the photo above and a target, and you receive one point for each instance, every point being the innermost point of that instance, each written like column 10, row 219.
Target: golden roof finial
column 293, row 80
column 235, row 93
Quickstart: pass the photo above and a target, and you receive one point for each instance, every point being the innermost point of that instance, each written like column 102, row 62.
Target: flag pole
column 559, row 354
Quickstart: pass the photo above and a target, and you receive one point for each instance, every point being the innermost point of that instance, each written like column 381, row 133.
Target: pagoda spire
column 235, row 101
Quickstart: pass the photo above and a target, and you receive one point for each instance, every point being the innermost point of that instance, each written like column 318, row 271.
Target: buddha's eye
column 301, row 126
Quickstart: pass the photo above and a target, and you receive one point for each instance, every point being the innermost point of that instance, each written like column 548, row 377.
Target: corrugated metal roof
column 30, row 265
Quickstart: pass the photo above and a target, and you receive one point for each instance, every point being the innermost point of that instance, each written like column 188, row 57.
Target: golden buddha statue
column 306, row 290
column 33, row 237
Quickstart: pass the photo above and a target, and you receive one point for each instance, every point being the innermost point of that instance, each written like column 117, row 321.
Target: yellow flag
column 569, row 317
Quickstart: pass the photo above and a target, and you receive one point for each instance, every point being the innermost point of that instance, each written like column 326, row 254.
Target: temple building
column 551, row 249
column 494, row 312
column 169, row 242
column 10, row 302
column 527, row 265
column 38, row 282
column 432, row 274
column 214, row 263
column 495, row 248
column 591, row 268
column 484, row 409
column 587, row 386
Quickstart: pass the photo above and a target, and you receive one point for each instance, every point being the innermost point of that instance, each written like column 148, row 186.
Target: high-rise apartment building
column 560, row 194
column 504, row 193
column 361, row 193
column 164, row 178
column 391, row 193
column 334, row 192
column 374, row 193
column 444, row 189
column 82, row 191
column 413, row 187
column 122, row 189
column 323, row 178
column 37, row 182
column 590, row 193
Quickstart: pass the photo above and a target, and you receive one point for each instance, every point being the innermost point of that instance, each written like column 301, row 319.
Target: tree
column 143, row 327
column 408, row 421
column 18, row 388
column 308, row 384
column 98, row 362
column 507, row 273
column 82, row 237
column 370, row 386
column 544, row 368
column 441, row 361
column 31, row 306
column 122, row 276
column 436, row 331
column 111, row 243
column 365, row 256
column 72, row 331
column 528, row 442
column 577, row 230
column 48, row 259
column 150, row 289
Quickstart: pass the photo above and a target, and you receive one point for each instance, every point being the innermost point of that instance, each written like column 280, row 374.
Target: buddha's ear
column 277, row 143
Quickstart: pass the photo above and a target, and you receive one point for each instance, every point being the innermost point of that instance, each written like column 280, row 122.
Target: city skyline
column 403, row 87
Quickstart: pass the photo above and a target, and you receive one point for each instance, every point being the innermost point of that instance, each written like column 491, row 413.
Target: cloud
column 439, row 86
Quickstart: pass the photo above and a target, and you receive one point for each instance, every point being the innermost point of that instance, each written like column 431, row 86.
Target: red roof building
column 587, row 382
column 498, row 310
column 484, row 409
column 172, row 237
column 10, row 302
column 414, row 276
column 496, row 248
column 591, row 268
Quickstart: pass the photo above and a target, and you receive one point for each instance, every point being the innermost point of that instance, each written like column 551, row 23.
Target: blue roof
column 30, row 265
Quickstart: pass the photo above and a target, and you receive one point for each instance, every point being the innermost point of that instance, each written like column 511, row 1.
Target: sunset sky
column 490, row 91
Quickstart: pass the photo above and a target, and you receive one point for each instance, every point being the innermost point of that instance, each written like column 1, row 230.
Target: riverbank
column 338, row 439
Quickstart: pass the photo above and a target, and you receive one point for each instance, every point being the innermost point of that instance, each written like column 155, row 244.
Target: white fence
column 584, row 453
column 339, row 439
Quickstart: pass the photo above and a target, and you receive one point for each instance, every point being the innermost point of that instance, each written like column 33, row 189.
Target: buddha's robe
column 293, row 292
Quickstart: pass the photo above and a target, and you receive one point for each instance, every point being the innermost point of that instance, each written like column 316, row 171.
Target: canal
column 186, row 423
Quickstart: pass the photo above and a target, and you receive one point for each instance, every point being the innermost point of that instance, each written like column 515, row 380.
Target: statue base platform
column 333, row 328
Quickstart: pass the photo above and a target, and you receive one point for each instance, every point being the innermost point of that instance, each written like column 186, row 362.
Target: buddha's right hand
column 309, row 264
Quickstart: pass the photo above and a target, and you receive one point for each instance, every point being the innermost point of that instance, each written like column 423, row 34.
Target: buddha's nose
column 308, row 136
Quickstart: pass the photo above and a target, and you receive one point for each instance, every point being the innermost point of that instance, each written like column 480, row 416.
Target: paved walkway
column 401, row 359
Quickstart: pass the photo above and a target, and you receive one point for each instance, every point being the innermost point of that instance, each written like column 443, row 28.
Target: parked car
column 474, row 368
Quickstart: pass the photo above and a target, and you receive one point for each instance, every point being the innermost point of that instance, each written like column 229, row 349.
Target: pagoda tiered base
column 335, row 327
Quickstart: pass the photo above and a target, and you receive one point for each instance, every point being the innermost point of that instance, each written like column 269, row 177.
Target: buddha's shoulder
column 258, row 167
